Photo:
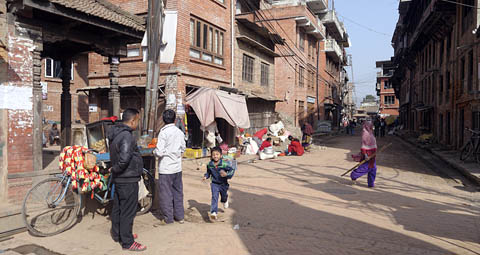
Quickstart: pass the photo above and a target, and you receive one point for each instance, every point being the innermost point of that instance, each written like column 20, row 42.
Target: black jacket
column 127, row 163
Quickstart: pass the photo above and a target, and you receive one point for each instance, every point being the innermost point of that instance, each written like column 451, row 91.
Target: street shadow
column 201, row 208
column 270, row 225
column 419, row 215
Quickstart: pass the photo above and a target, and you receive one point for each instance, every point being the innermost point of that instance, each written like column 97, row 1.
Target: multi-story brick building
column 436, row 54
column 388, row 101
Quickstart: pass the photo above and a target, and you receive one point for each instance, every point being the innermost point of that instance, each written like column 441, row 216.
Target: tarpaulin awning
column 209, row 104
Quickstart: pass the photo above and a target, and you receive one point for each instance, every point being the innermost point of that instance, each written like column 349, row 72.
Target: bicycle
column 52, row 206
column 472, row 147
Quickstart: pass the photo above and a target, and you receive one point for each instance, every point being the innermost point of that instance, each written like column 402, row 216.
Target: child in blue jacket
column 220, row 171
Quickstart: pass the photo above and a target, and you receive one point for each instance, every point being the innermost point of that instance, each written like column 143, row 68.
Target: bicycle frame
column 61, row 196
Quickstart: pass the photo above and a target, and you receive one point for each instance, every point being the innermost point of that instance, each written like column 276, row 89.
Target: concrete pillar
column 37, row 110
column 114, row 94
column 66, row 102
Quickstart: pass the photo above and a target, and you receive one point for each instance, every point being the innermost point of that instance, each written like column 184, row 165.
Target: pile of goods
column 77, row 163
column 99, row 146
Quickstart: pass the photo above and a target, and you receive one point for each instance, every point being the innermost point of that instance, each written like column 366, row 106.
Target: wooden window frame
column 264, row 75
column 209, row 42
column 301, row 76
column 52, row 69
column 248, row 64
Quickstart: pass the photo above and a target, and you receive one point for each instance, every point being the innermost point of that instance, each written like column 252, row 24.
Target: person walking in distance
column 127, row 167
column 169, row 149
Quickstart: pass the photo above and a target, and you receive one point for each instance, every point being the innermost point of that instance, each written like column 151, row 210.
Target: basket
column 193, row 153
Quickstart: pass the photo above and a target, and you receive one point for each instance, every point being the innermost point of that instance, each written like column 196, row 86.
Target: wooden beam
column 83, row 17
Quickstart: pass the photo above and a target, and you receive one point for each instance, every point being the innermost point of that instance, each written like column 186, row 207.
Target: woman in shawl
column 369, row 147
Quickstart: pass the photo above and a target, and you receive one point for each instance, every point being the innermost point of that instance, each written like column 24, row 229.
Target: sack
column 142, row 190
column 90, row 161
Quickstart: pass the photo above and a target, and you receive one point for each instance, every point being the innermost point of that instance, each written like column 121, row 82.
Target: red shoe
column 136, row 247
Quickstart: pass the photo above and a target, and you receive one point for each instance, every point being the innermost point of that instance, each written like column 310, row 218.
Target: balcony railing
column 317, row 5
column 333, row 49
column 330, row 20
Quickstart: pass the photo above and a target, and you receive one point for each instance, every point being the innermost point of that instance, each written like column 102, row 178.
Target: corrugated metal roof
column 105, row 10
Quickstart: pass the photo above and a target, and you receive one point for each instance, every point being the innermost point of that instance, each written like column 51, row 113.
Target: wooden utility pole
column 155, row 19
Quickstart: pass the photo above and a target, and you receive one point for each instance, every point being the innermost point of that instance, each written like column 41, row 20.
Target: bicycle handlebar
column 473, row 131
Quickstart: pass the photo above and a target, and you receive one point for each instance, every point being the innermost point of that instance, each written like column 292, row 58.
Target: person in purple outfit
column 369, row 147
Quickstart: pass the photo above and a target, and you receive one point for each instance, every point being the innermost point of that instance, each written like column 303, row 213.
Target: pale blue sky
column 360, row 18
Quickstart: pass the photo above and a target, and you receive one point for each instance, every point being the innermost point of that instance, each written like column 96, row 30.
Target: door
column 461, row 130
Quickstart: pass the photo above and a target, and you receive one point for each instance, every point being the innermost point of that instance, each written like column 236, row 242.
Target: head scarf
column 368, row 139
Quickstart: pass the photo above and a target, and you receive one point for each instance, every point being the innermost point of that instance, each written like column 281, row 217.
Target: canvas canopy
column 209, row 104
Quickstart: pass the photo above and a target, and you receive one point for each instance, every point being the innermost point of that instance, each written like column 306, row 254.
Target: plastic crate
column 193, row 153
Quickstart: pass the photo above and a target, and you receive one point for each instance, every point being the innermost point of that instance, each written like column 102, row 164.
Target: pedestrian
column 219, row 171
column 169, row 149
column 127, row 167
column 265, row 144
column 307, row 131
column 377, row 127
column 294, row 148
column 352, row 127
column 369, row 147
column 54, row 135
column 383, row 126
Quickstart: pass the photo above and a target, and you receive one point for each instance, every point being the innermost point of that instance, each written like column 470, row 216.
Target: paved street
column 301, row 205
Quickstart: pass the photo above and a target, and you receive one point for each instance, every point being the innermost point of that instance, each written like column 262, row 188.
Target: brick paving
column 301, row 205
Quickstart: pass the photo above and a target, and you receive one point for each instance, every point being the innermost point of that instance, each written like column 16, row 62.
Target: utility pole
column 155, row 20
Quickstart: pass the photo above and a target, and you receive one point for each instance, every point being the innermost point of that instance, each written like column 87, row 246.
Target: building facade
column 388, row 102
column 436, row 79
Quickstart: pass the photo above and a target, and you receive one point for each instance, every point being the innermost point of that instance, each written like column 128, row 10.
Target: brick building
column 28, row 35
column 436, row 79
column 388, row 101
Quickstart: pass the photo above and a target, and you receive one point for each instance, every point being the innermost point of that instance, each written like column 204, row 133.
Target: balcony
column 317, row 30
column 334, row 26
column 333, row 50
column 317, row 5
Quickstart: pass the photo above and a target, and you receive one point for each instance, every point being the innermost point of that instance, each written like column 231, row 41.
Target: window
column 389, row 100
column 467, row 14
column 470, row 72
column 440, row 90
column 447, row 90
column 133, row 52
column 264, row 74
column 53, row 69
column 301, row 77
column 476, row 121
column 206, row 42
column 301, row 40
column 387, row 85
column 301, row 110
column 247, row 70
column 311, row 79
column 440, row 126
column 462, row 75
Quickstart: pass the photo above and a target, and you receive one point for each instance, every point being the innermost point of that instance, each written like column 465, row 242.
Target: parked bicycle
column 52, row 206
column 472, row 148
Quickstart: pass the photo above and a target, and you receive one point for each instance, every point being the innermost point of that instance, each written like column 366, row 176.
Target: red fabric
column 369, row 152
column 296, row 147
column 112, row 118
column 308, row 129
column 264, row 145
column 260, row 133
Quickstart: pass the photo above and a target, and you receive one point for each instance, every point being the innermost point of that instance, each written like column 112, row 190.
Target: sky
column 370, row 25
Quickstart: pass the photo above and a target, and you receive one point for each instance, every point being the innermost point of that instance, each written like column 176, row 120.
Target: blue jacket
column 214, row 172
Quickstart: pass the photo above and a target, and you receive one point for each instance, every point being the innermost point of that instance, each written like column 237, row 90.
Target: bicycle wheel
column 50, row 207
column 145, row 204
column 467, row 151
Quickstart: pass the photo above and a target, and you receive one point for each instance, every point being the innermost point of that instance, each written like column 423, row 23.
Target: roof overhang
column 249, row 20
column 257, row 45
column 310, row 27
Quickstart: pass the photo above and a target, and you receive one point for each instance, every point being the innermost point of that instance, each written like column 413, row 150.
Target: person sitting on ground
column 265, row 144
column 54, row 135
column 294, row 148
column 220, row 172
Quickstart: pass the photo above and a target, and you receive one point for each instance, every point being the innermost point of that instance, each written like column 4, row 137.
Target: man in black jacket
column 127, row 165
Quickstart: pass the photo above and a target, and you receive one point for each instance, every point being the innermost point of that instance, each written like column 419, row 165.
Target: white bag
column 142, row 190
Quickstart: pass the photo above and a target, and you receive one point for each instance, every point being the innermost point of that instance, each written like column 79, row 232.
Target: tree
column 369, row 98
